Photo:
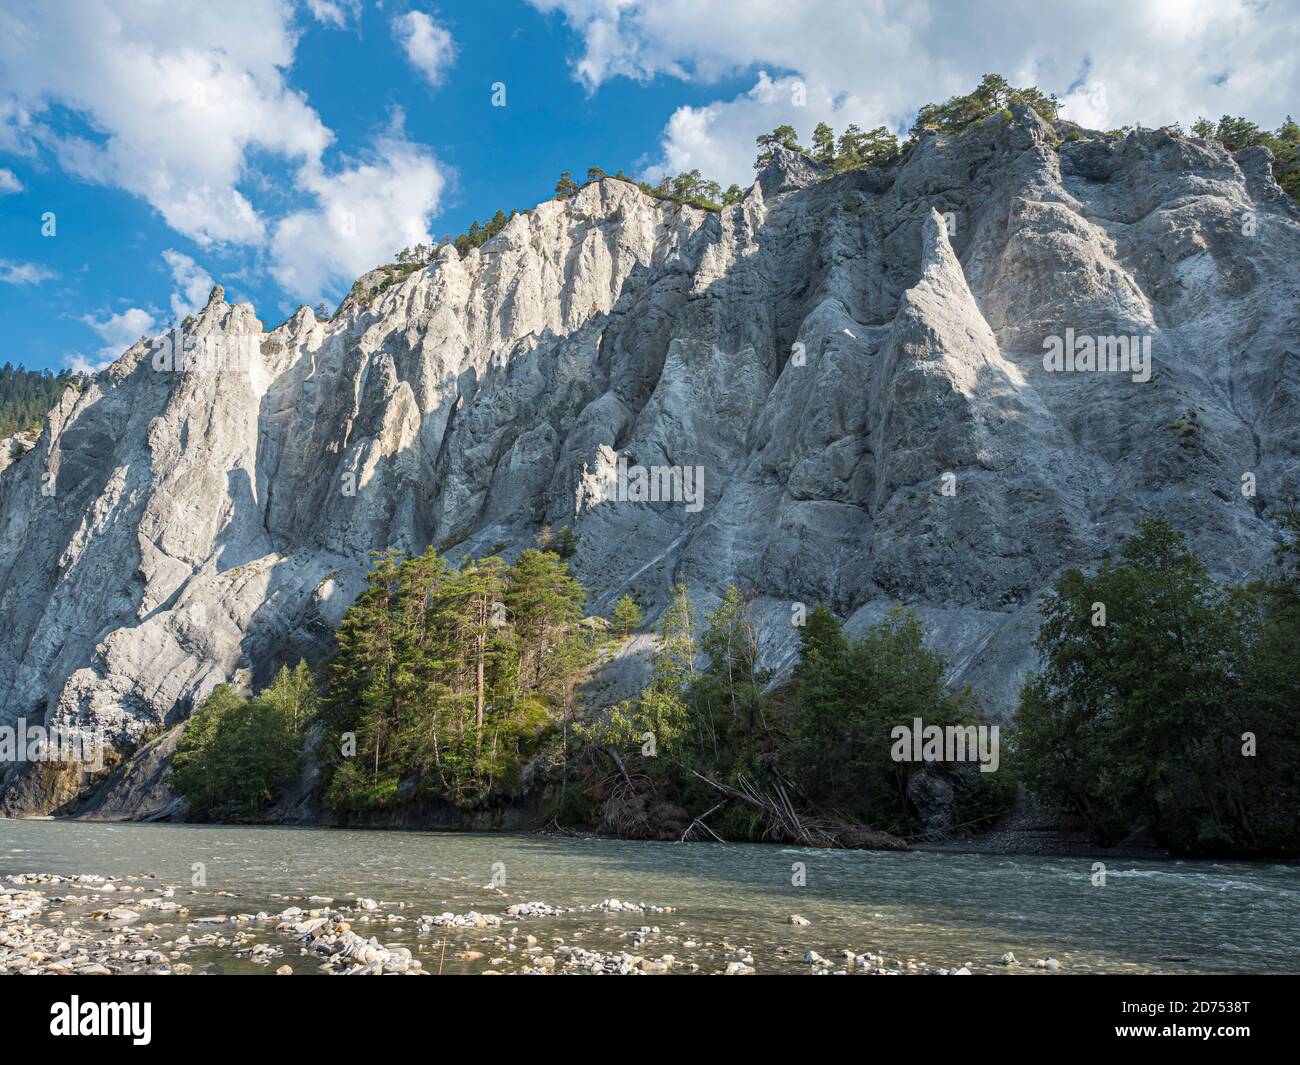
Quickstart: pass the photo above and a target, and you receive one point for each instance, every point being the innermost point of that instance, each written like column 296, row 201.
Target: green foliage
column 408, row 260
column 689, row 189
column 854, row 150
column 1237, row 133
column 566, row 188
column 849, row 695
column 877, row 148
column 781, row 137
column 1145, row 718
column 26, row 396
column 236, row 754
column 828, row 734
column 823, row 143
column 661, row 709
column 627, row 617
column 690, row 186
column 994, row 94
column 729, row 696
column 566, row 542
column 449, row 679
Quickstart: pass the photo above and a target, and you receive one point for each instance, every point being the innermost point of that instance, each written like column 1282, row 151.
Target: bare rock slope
column 854, row 364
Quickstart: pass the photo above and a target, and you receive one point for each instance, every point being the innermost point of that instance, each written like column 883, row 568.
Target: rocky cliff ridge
column 854, row 362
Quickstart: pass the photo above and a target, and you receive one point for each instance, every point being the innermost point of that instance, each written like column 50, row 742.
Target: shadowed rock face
column 856, row 364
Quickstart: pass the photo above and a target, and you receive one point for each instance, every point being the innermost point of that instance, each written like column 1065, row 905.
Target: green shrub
column 236, row 754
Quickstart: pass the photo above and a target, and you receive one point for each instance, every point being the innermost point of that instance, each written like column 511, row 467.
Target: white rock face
column 854, row 364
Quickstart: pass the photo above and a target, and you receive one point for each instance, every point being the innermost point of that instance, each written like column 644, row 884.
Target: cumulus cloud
column 874, row 62
column 718, row 138
column 364, row 213
column 334, row 12
column 122, row 330
column 118, row 331
column 428, row 46
column 179, row 101
column 193, row 283
column 9, row 182
column 176, row 96
column 78, row 363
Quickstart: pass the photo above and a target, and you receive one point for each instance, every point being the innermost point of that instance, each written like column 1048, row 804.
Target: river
column 940, row 909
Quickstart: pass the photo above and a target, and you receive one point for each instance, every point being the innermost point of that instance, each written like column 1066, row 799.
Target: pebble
column 41, row 931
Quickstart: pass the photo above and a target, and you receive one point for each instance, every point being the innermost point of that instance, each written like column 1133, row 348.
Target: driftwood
column 700, row 821
column 784, row 824
column 619, row 762
column 626, row 796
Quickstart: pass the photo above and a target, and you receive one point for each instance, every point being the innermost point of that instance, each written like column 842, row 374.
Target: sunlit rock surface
column 855, row 363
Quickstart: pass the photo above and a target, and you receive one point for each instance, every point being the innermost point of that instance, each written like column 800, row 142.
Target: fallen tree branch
column 783, row 824
column 700, row 821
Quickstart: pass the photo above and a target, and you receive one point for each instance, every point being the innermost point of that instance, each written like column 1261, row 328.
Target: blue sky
column 282, row 147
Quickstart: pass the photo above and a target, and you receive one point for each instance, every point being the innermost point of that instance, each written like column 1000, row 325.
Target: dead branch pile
column 784, row 824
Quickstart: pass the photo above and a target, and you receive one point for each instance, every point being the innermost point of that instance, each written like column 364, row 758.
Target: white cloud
column 16, row 273
column 365, row 213
column 334, row 12
column 119, row 332
column 718, row 138
column 193, row 283
column 78, row 363
column 428, row 46
column 177, row 92
column 179, row 98
column 9, row 182
column 874, row 62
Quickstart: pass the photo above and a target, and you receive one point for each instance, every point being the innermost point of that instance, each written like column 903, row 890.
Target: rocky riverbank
column 86, row 924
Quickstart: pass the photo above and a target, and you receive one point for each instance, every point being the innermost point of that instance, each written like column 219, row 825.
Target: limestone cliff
column 855, row 363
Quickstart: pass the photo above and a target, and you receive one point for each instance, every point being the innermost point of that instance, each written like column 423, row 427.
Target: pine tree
column 566, row 542
column 823, row 143
column 452, row 678
column 566, row 187
column 781, row 137
column 993, row 94
column 627, row 616
column 542, row 600
column 26, row 396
